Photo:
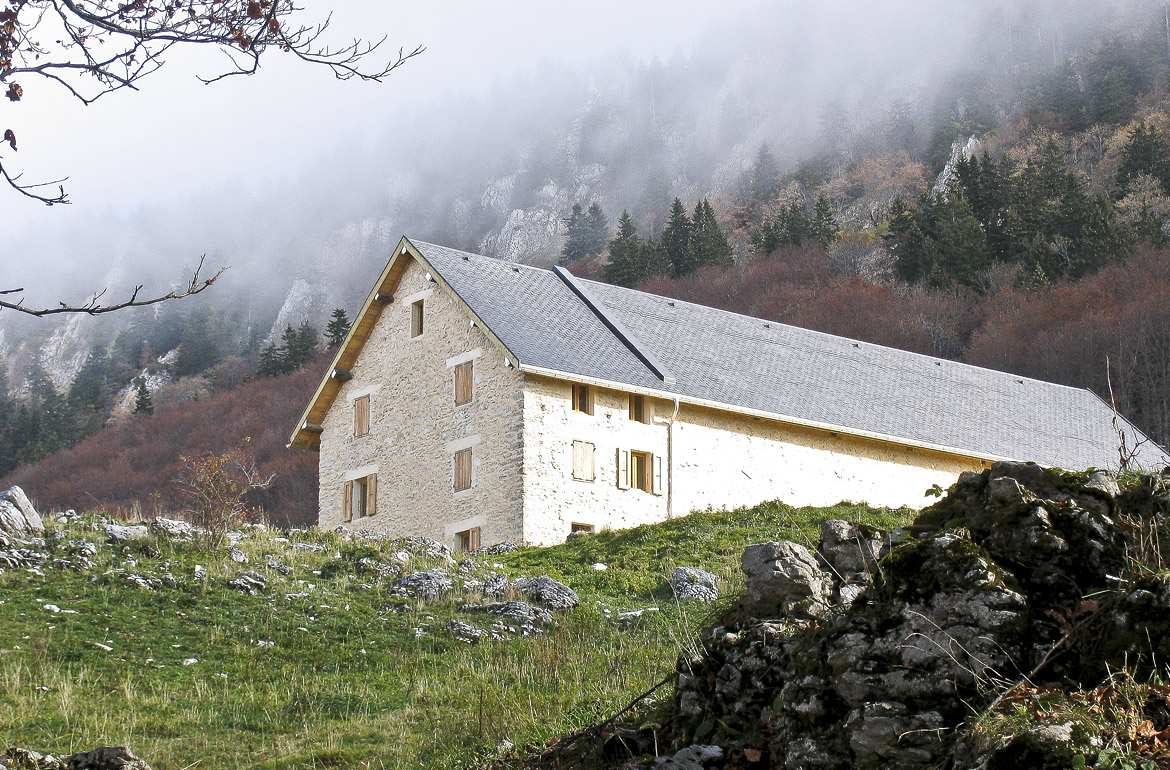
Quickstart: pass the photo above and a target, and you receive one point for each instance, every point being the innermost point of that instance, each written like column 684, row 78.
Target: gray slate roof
column 749, row 364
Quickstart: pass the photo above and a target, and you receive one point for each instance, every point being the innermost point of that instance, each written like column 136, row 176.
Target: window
column 462, row 470
column 639, row 470
column 416, row 319
column 463, row 383
column 582, row 461
column 467, row 540
column 587, row 529
column 360, row 498
column 641, row 410
column 361, row 416
column 582, row 399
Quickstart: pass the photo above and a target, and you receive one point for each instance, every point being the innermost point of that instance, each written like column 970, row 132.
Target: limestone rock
column 17, row 515
column 175, row 528
column 106, row 758
column 694, row 583
column 427, row 548
column 548, row 593
column 979, row 588
column 785, row 578
column 429, row 584
column 249, row 582
column 465, row 632
column 122, row 533
column 697, row 757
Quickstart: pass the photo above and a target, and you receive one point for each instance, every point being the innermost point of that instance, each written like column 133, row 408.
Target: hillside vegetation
column 314, row 653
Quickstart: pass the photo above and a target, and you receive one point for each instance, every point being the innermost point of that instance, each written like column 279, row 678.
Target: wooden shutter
column 656, row 488
column 347, row 504
column 463, row 469
column 623, row 469
column 361, row 416
column 473, row 538
column 371, row 494
column 583, row 461
column 463, row 383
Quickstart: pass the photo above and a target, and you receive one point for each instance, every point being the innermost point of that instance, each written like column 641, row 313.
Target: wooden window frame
column 464, row 383
column 361, row 415
column 417, row 327
column 582, row 399
column 462, row 472
column 360, row 498
column 584, row 470
column 641, row 409
column 639, row 470
column 467, row 540
column 577, row 526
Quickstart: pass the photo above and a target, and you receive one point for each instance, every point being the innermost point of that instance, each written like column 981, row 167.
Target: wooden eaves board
column 359, row 333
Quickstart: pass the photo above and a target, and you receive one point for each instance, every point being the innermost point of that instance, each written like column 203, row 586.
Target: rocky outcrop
column 102, row 758
column 18, row 517
column 694, row 583
column 1019, row 571
column 548, row 593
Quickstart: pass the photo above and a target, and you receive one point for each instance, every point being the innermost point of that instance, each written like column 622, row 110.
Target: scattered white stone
column 190, row 661
column 101, row 646
column 265, row 643
column 52, row 608
column 600, row 567
column 238, row 556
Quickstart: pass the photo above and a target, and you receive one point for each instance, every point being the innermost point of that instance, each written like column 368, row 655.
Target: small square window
column 587, row 529
column 467, row 540
column 462, row 470
column 582, row 399
column 640, row 409
column 416, row 319
column 361, row 416
column 463, row 383
column 640, row 464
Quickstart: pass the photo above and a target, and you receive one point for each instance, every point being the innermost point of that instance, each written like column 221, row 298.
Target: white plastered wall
column 715, row 459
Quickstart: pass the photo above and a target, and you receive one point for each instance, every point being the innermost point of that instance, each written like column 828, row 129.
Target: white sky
column 176, row 136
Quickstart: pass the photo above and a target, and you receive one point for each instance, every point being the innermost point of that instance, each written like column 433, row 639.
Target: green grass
column 347, row 682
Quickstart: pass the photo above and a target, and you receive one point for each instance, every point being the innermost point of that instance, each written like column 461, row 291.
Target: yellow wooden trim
column 359, row 333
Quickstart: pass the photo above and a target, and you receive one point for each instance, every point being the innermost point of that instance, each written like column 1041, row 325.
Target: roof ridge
column 615, row 326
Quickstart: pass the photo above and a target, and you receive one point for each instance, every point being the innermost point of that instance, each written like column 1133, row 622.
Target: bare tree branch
column 94, row 307
column 91, row 48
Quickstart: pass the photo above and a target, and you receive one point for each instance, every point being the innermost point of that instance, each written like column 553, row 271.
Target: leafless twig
column 94, row 307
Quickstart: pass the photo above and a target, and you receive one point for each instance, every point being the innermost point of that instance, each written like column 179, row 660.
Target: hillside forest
column 1021, row 223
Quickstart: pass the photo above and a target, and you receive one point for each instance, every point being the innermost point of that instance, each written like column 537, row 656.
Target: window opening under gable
column 416, row 318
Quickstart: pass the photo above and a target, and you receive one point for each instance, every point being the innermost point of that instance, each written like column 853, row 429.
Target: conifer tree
column 575, row 226
column 624, row 268
column 765, row 177
column 676, row 237
column 1146, row 152
column 143, row 403
column 272, row 361
column 708, row 245
column 596, row 230
column 337, row 328
column 588, row 232
column 824, row 224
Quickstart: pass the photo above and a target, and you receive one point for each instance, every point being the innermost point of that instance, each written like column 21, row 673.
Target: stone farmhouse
column 477, row 400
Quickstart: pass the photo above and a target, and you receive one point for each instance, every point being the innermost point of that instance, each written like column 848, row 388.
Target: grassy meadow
column 326, row 668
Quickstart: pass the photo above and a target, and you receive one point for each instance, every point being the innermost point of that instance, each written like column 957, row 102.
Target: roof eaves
column 766, row 415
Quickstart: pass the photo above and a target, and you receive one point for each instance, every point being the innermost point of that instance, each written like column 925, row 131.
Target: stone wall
column 553, row 500
column 714, row 459
column 415, row 427
column 723, row 459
